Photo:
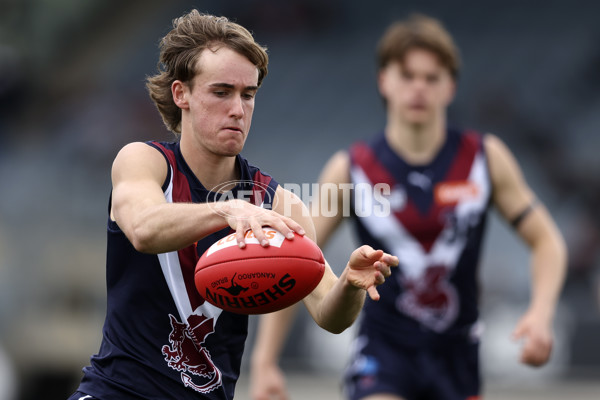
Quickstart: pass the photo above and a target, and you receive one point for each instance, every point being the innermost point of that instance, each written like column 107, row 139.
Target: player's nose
column 236, row 109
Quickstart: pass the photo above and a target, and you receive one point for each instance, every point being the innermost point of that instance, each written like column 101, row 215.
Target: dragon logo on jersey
column 430, row 299
column 187, row 355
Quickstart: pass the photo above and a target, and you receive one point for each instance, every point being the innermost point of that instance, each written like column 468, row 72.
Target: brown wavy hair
column 418, row 31
column 179, row 51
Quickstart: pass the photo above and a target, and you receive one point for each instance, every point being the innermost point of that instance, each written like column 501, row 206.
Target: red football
column 257, row 279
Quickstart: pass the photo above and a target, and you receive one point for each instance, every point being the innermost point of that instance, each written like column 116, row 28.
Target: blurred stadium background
column 72, row 93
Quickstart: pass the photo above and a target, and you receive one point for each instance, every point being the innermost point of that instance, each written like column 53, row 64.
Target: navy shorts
column 444, row 371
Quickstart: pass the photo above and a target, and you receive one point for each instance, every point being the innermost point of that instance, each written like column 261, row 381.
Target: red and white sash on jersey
column 185, row 352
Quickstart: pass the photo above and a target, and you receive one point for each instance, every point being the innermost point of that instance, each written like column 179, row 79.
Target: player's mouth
column 233, row 129
column 418, row 106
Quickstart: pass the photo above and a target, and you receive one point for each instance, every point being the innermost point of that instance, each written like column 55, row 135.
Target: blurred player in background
column 421, row 341
column 160, row 339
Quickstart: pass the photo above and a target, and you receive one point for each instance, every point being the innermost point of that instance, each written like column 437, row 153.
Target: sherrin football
column 257, row 279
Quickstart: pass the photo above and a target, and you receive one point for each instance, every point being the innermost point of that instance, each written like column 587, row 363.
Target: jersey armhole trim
column 158, row 147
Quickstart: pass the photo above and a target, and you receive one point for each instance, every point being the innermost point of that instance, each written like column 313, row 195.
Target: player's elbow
column 336, row 330
column 336, row 325
column 555, row 245
column 335, row 315
column 144, row 239
column 561, row 253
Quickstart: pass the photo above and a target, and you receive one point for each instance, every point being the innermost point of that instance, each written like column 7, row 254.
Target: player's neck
column 416, row 144
column 212, row 170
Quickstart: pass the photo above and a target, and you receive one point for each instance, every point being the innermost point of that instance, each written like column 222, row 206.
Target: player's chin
column 231, row 143
column 231, row 153
column 418, row 118
column 231, row 149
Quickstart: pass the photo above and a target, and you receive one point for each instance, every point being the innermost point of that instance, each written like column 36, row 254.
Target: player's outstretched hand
column 536, row 333
column 368, row 268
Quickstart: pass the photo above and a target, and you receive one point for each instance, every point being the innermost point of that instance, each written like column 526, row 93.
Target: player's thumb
column 519, row 332
column 371, row 254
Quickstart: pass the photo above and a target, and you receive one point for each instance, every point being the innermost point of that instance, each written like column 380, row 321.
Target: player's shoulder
column 139, row 155
column 337, row 168
column 487, row 141
column 494, row 146
column 287, row 198
column 142, row 149
column 502, row 163
column 340, row 158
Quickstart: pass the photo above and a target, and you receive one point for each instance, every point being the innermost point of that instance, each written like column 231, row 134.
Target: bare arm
column 336, row 176
column 511, row 196
column 267, row 381
column 155, row 226
column 335, row 303
column 274, row 327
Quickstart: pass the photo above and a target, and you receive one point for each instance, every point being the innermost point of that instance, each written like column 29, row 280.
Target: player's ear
column 382, row 82
column 451, row 91
column 180, row 94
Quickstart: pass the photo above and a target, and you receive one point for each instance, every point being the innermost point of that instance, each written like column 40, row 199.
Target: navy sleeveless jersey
column 432, row 217
column 161, row 340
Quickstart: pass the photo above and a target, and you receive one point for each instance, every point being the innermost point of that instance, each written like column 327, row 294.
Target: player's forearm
column 341, row 306
column 548, row 274
column 167, row 227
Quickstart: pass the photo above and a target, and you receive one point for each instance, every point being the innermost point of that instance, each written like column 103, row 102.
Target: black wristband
column 516, row 221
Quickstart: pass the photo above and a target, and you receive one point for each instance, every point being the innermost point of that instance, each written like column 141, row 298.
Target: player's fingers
column 373, row 293
column 365, row 250
column 286, row 226
column 533, row 360
column 265, row 393
column 370, row 254
column 383, row 268
column 535, row 357
column 390, row 260
column 518, row 332
column 542, row 351
column 240, row 233
column 295, row 226
column 282, row 395
column 364, row 257
column 259, row 233
column 379, row 278
column 536, row 348
column 277, row 393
